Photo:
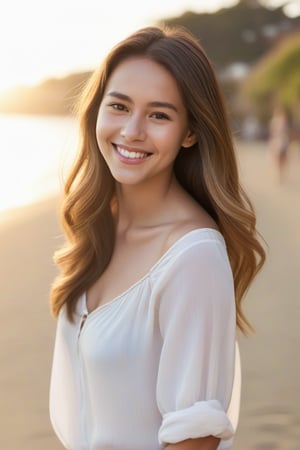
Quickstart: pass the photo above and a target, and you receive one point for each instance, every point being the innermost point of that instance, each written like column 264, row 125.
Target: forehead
column 137, row 76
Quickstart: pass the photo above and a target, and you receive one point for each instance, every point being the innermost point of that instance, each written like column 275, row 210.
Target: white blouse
column 159, row 363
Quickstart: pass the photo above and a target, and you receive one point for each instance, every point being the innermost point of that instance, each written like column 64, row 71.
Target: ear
column 189, row 140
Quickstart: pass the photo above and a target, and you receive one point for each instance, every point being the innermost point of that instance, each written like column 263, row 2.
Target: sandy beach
column 270, row 409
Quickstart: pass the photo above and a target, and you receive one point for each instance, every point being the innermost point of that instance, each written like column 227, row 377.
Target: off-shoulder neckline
column 212, row 234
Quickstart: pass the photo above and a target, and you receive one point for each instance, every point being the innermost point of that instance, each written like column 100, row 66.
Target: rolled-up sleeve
column 198, row 328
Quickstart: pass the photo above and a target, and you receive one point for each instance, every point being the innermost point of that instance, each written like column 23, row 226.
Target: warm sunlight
column 48, row 39
column 45, row 39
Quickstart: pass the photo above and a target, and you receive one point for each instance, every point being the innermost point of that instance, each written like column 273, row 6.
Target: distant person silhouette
column 279, row 140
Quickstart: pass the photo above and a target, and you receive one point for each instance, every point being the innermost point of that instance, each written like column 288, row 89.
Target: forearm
column 207, row 443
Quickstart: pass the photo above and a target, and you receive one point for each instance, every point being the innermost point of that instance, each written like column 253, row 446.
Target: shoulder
column 200, row 249
column 187, row 215
column 199, row 255
column 196, row 241
column 196, row 273
column 195, row 228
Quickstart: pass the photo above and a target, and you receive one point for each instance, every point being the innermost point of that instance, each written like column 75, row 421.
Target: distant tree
column 242, row 33
column 275, row 79
column 53, row 96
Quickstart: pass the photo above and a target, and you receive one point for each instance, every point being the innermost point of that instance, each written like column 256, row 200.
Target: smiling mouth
column 131, row 154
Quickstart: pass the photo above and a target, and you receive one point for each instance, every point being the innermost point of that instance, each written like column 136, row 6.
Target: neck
column 144, row 206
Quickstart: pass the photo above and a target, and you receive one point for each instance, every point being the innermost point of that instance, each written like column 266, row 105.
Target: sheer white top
column 159, row 363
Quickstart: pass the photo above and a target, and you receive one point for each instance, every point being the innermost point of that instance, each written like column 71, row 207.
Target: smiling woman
column 142, row 122
column 161, row 247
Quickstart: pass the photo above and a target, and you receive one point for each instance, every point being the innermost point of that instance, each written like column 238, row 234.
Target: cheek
column 107, row 127
column 171, row 141
column 171, row 133
column 102, row 129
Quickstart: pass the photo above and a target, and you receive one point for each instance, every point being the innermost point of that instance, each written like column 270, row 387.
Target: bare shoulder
column 195, row 217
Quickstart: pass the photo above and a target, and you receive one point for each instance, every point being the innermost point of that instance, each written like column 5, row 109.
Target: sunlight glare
column 292, row 10
column 48, row 39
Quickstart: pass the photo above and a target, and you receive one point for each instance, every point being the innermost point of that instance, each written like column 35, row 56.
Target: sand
column 270, row 409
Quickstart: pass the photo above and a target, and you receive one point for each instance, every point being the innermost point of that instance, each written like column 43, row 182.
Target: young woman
column 161, row 247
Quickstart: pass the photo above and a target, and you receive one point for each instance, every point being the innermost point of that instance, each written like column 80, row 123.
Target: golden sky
column 44, row 38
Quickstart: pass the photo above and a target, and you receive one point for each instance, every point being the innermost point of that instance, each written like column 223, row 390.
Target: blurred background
column 48, row 50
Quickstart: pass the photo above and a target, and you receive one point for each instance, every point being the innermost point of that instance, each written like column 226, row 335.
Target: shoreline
column 14, row 214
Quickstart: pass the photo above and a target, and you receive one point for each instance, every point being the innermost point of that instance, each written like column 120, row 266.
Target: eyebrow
column 155, row 104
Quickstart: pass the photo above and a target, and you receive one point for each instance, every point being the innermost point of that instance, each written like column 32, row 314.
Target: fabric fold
column 204, row 418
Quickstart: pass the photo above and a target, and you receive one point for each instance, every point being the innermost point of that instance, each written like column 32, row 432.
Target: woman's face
column 142, row 122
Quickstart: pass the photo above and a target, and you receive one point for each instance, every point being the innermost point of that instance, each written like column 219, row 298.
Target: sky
column 52, row 38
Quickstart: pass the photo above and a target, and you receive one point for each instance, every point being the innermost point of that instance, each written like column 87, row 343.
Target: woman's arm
column 207, row 443
column 196, row 368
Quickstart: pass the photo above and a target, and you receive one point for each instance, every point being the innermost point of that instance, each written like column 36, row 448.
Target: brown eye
column 160, row 116
column 118, row 107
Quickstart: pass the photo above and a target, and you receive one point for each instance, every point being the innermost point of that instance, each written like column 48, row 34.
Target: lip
column 131, row 155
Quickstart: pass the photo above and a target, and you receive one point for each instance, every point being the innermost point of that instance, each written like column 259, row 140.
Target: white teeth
column 131, row 155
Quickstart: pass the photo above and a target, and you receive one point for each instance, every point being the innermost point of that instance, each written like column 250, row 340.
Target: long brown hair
column 208, row 171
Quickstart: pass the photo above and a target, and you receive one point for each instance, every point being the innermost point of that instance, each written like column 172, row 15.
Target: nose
column 133, row 129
